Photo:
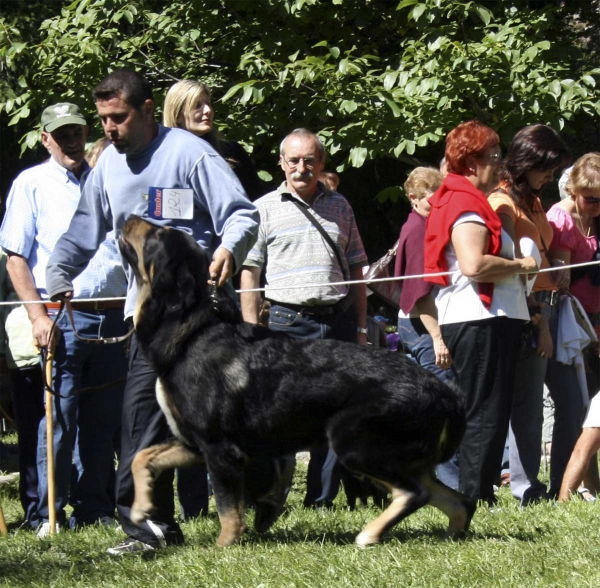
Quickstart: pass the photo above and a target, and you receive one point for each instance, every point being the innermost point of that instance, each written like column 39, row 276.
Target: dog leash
column 66, row 303
column 214, row 296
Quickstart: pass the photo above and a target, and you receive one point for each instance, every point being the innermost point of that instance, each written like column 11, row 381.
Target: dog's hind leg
column 226, row 469
column 405, row 501
column 456, row 506
column 147, row 466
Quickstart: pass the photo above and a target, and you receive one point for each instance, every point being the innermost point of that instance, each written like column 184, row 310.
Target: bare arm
column 250, row 301
column 560, row 257
column 470, row 242
column 22, row 280
column 359, row 303
column 427, row 310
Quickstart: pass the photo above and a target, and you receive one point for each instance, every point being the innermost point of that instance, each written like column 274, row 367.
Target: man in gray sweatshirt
column 144, row 161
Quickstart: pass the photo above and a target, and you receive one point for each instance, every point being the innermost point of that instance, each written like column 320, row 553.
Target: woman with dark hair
column 534, row 155
column 481, row 306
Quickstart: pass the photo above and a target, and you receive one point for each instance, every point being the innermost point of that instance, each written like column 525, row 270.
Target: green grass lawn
column 544, row 545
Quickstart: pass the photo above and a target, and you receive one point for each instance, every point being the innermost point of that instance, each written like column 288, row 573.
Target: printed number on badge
column 171, row 203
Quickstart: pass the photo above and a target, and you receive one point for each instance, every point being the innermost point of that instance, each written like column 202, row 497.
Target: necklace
column 589, row 229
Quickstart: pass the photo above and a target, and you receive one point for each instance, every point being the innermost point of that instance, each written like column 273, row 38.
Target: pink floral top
column 568, row 237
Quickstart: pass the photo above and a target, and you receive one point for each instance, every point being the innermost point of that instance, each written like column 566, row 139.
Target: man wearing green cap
column 39, row 209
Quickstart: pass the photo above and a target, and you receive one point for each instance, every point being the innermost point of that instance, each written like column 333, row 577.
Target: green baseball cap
column 63, row 113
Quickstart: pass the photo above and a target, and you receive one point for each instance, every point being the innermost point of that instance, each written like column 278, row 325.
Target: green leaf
column 530, row 54
column 589, row 80
column 418, row 11
column 265, row 176
column 394, row 107
column 406, row 4
column 232, row 92
column 390, row 79
column 391, row 193
column 358, row 155
column 348, row 106
column 436, row 44
column 565, row 98
column 483, row 13
column 555, row 88
column 294, row 56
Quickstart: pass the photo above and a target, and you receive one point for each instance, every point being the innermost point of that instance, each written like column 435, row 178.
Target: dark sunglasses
column 591, row 200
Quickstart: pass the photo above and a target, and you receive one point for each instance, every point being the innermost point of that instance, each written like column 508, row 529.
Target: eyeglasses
column 497, row 156
column 591, row 200
column 294, row 162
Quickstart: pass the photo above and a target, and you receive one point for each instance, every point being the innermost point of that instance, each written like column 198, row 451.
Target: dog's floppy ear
column 178, row 272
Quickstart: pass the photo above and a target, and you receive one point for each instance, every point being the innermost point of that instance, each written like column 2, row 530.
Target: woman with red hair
column 481, row 306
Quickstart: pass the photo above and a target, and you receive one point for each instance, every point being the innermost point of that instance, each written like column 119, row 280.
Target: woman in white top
column 482, row 307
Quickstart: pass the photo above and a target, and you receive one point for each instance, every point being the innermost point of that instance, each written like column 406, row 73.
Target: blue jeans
column 323, row 477
column 84, row 424
column 417, row 343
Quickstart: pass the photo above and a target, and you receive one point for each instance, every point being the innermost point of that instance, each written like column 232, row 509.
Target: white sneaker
column 130, row 545
column 44, row 530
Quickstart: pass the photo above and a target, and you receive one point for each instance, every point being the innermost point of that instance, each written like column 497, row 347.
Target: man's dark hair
column 127, row 84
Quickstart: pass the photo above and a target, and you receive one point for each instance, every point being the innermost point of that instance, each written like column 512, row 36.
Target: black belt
column 324, row 309
column 550, row 297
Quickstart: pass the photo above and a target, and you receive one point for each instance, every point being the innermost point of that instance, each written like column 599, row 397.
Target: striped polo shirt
column 295, row 253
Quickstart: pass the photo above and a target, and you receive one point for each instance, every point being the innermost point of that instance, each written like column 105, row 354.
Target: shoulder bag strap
column 319, row 228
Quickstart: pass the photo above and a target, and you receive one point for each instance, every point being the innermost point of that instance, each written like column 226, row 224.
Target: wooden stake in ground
column 3, row 527
column 50, row 438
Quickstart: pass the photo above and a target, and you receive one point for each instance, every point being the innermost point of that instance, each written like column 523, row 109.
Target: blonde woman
column 418, row 328
column 575, row 221
column 188, row 106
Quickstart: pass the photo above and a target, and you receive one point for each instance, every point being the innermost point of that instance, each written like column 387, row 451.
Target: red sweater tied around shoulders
column 454, row 197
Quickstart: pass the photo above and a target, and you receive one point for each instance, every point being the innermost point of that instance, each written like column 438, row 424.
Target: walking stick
column 3, row 527
column 50, row 437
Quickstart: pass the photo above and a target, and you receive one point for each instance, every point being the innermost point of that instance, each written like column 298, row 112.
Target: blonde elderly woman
column 188, row 106
column 418, row 328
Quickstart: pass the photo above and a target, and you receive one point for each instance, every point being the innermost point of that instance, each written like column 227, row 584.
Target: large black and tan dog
column 232, row 391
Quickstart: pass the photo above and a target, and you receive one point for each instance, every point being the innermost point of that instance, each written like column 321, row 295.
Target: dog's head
column 171, row 270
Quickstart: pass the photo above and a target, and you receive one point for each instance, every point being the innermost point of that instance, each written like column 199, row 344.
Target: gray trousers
column 525, row 434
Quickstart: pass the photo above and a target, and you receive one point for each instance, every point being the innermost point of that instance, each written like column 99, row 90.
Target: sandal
column 586, row 495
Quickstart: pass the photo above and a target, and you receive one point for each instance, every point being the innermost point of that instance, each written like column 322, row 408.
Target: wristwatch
column 361, row 330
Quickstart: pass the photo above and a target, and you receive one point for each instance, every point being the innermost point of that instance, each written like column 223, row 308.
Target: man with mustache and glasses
column 40, row 206
column 301, row 270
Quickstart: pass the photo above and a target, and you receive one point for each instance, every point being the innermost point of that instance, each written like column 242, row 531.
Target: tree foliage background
column 381, row 81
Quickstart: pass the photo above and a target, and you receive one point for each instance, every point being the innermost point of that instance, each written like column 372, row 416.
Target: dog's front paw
column 365, row 539
column 139, row 514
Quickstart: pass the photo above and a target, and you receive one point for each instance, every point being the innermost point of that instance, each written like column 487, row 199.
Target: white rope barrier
column 343, row 283
column 411, row 277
